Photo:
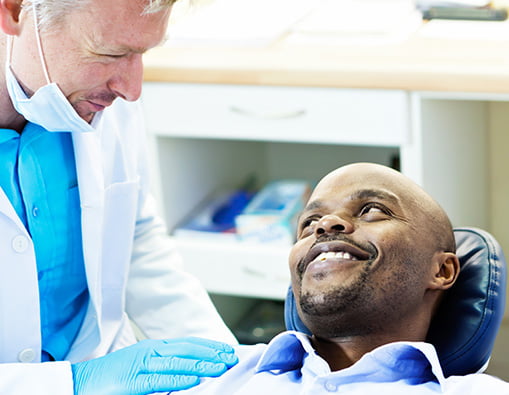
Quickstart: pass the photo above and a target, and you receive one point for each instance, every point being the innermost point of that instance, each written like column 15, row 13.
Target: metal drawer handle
column 268, row 114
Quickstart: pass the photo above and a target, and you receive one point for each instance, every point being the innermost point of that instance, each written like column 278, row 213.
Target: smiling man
column 361, row 250
column 373, row 257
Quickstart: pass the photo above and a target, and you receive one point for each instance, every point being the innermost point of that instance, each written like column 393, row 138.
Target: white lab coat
column 131, row 266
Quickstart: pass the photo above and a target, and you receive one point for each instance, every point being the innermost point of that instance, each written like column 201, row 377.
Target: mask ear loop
column 39, row 46
column 8, row 50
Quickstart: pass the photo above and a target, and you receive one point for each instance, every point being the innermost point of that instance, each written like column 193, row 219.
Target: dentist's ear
column 9, row 16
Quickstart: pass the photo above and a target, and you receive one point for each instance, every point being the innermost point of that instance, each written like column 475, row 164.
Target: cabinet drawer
column 268, row 113
column 240, row 269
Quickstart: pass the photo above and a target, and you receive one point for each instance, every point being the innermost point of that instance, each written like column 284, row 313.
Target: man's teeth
column 335, row 255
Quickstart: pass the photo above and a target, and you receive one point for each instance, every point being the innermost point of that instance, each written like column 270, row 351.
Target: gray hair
column 51, row 12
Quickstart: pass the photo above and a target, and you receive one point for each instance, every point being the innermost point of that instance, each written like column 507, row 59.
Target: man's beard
column 359, row 308
column 337, row 299
column 340, row 312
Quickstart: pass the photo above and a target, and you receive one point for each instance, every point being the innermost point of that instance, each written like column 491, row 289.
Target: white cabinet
column 208, row 137
column 291, row 114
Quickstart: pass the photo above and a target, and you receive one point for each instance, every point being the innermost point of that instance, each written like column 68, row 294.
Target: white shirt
column 290, row 365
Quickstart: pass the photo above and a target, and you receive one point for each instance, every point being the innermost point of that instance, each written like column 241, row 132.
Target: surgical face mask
column 48, row 107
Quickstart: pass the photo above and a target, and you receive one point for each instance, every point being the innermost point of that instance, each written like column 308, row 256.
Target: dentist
column 82, row 251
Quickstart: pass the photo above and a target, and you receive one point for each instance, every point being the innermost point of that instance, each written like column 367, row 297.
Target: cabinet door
column 297, row 114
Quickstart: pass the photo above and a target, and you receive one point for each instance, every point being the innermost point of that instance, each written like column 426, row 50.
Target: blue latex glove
column 153, row 366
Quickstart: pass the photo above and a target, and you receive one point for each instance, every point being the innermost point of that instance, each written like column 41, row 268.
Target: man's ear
column 446, row 269
column 9, row 16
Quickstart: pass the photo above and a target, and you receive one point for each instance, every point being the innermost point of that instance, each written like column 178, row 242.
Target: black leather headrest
column 466, row 324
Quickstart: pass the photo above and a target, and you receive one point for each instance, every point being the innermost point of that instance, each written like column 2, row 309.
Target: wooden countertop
column 418, row 63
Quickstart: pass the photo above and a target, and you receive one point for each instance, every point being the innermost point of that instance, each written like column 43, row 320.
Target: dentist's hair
column 51, row 12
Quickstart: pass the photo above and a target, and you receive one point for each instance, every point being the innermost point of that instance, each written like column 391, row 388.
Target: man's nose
column 127, row 81
column 333, row 224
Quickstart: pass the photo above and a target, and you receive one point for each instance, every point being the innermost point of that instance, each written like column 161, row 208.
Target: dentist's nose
column 333, row 224
column 128, row 80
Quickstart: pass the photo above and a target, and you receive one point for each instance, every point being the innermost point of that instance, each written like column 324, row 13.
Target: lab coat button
column 20, row 244
column 26, row 355
column 331, row 387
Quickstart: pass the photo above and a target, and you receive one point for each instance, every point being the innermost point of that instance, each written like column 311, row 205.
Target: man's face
column 360, row 255
column 94, row 55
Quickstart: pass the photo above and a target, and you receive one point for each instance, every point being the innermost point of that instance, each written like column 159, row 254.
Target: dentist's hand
column 153, row 366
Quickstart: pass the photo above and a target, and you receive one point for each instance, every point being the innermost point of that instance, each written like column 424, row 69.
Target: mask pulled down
column 47, row 107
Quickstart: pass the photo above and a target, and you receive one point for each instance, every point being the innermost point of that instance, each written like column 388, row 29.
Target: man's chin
column 328, row 301
column 317, row 303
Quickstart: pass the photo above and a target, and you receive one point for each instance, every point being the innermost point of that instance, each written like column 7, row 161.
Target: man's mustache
column 326, row 238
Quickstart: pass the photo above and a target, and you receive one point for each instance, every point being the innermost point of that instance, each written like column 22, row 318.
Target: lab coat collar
column 7, row 210
column 89, row 159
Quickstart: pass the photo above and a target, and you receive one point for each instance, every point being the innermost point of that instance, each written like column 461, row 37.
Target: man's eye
column 374, row 208
column 308, row 224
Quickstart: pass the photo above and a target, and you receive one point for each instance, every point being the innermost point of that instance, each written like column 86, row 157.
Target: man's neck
column 9, row 118
column 341, row 353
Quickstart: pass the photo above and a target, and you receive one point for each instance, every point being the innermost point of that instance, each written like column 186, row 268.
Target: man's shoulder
column 249, row 355
column 476, row 383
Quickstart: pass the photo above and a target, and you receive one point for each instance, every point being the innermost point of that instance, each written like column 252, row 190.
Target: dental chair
column 465, row 327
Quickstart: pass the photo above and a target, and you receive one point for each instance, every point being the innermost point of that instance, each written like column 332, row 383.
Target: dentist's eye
column 114, row 56
column 109, row 56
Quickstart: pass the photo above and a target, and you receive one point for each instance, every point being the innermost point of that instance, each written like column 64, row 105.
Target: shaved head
column 435, row 218
column 373, row 255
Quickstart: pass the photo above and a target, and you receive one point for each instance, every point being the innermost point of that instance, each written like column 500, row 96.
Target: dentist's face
column 94, row 54
column 361, row 254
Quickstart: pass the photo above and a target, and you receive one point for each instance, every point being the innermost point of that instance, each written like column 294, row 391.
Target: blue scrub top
column 38, row 175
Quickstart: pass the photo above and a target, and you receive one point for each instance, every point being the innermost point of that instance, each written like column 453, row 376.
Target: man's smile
column 335, row 252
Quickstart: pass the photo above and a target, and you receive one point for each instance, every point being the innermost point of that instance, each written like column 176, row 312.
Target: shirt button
column 20, row 244
column 35, row 211
column 26, row 355
column 331, row 387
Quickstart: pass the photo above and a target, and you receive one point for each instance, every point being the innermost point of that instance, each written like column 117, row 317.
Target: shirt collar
column 8, row 134
column 288, row 351
column 285, row 352
column 401, row 358
column 29, row 129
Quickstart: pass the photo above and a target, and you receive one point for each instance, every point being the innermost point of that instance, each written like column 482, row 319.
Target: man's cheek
column 296, row 254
